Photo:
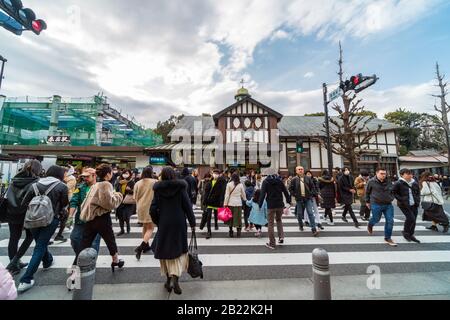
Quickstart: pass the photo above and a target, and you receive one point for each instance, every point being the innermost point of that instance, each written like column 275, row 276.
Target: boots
column 140, row 249
column 13, row 267
column 230, row 233
column 167, row 285
column 147, row 247
column 128, row 228
column 176, row 285
column 239, row 232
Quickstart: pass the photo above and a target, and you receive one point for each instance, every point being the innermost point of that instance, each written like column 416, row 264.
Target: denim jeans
column 388, row 211
column 40, row 253
column 307, row 204
column 77, row 235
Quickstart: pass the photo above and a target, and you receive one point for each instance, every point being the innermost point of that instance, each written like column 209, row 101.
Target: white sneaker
column 330, row 223
column 25, row 286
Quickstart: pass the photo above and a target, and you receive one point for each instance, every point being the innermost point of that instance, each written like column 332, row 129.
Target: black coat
column 191, row 187
column 310, row 188
column 327, row 192
column 215, row 196
column 19, row 187
column 345, row 184
column 272, row 191
column 59, row 197
column 169, row 210
column 401, row 193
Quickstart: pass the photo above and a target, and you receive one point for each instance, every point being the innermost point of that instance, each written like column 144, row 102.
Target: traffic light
column 358, row 83
column 19, row 19
column 300, row 148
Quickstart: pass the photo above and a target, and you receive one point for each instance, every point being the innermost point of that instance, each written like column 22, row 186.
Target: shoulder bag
column 195, row 268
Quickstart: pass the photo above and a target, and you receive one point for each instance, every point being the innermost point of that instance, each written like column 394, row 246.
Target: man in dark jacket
column 379, row 198
column 191, row 185
column 272, row 190
column 59, row 197
column 213, row 200
column 407, row 193
column 302, row 188
column 20, row 185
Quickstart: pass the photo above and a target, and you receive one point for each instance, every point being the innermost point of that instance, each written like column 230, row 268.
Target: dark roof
column 289, row 126
column 259, row 104
column 187, row 123
column 424, row 153
column 301, row 126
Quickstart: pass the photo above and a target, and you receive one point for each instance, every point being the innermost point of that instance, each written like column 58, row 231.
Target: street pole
column 3, row 60
column 327, row 128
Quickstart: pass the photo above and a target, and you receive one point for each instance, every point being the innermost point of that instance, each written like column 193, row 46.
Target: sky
column 157, row 58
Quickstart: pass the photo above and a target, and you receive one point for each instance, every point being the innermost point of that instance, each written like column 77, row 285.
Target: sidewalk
column 433, row 285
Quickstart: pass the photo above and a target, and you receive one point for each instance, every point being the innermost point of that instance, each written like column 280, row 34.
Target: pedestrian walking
column 249, row 192
column 89, row 178
column 258, row 216
column 125, row 186
column 201, row 188
column 71, row 183
column 169, row 210
column 432, row 202
column 379, row 199
column 214, row 199
column 20, row 185
column 191, row 185
column 96, row 212
column 272, row 190
column 315, row 201
column 347, row 192
column 303, row 190
column 56, row 190
column 360, row 184
column 327, row 187
column 143, row 194
column 234, row 196
column 407, row 193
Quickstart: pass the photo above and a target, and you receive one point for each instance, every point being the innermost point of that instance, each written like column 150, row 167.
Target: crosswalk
column 351, row 251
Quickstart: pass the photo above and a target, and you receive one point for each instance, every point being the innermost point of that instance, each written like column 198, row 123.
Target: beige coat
column 234, row 198
column 101, row 199
column 143, row 194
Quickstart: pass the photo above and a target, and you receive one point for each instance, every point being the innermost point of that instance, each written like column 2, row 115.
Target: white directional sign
column 335, row 94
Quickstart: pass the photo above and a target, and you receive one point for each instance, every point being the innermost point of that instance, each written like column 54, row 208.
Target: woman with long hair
column 143, row 194
column 431, row 193
column 347, row 192
column 20, row 185
column 234, row 196
column 125, row 186
column 169, row 210
column 327, row 187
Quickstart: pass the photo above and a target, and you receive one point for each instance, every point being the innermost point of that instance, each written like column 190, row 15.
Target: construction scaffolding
column 84, row 121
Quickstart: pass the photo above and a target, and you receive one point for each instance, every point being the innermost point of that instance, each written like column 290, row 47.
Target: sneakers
column 370, row 229
column 258, row 234
column 247, row 229
column 320, row 227
column 391, row 243
column 25, row 286
column 330, row 223
column 268, row 245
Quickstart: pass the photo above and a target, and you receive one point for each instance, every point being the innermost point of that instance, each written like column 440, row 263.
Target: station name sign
column 58, row 139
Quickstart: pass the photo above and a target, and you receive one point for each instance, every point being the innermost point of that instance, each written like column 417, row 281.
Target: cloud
column 309, row 75
column 159, row 57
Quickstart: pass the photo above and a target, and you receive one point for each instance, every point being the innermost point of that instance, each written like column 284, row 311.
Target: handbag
column 128, row 199
column 224, row 214
column 428, row 206
column 195, row 268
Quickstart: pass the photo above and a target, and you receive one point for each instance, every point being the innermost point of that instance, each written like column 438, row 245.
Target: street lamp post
column 3, row 60
column 327, row 128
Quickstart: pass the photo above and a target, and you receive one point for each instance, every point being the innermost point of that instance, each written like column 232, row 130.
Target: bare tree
column 444, row 108
column 350, row 123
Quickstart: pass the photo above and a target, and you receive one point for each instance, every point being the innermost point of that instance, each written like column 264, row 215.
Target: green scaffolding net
column 86, row 121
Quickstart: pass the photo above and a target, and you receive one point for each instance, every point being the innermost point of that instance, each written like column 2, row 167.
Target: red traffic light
column 356, row 79
column 38, row 26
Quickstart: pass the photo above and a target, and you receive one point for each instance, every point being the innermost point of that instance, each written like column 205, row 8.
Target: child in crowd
column 258, row 216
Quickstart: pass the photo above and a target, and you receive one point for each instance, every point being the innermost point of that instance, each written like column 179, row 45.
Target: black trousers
column 410, row 222
column 62, row 224
column 329, row 213
column 348, row 209
column 103, row 226
column 209, row 212
column 247, row 211
column 15, row 233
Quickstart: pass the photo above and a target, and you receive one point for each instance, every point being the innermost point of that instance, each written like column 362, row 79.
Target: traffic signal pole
column 3, row 60
column 327, row 128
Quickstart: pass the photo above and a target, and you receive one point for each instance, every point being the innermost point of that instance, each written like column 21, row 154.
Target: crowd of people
column 86, row 201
